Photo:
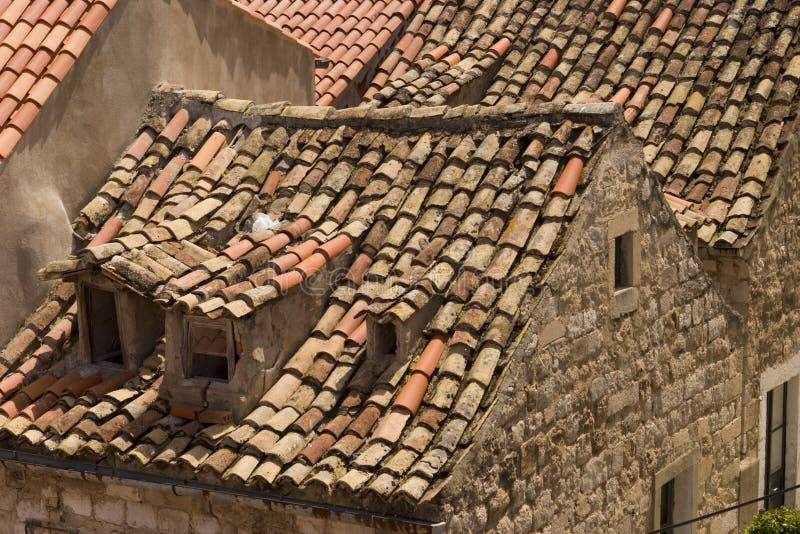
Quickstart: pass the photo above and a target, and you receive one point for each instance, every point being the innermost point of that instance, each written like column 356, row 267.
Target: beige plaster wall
column 599, row 403
column 66, row 154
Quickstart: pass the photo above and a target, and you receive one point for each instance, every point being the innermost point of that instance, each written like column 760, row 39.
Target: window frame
column 624, row 298
column 86, row 324
column 231, row 352
column 682, row 473
column 667, row 497
column 778, row 500
column 785, row 374
column 623, row 261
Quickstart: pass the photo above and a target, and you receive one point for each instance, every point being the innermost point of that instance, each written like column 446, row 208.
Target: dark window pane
column 623, row 261
column 103, row 329
column 776, row 450
column 777, row 407
column 209, row 366
column 667, row 504
column 775, row 455
column 208, row 350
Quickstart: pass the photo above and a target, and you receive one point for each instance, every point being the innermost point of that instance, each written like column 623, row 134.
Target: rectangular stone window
column 105, row 344
column 676, row 496
column 623, row 261
column 667, row 505
column 211, row 351
column 775, row 460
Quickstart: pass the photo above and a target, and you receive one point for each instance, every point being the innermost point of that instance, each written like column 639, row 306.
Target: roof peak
column 404, row 118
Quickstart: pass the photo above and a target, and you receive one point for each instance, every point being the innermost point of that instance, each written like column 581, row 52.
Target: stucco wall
column 68, row 151
column 595, row 405
column 87, row 503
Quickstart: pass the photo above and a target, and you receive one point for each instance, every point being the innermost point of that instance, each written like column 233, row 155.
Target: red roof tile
column 375, row 196
column 40, row 41
column 354, row 36
column 707, row 87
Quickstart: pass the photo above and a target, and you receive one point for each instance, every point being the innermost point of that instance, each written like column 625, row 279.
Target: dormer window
column 122, row 327
column 101, row 309
column 211, row 351
column 385, row 339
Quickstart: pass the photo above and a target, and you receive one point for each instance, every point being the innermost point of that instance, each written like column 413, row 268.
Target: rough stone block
column 126, row 493
column 77, row 502
column 141, row 516
column 552, row 331
column 622, row 400
column 204, row 524
column 173, row 521
column 8, row 499
column 110, row 510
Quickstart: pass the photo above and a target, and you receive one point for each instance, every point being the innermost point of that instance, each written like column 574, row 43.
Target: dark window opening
column 387, row 340
column 623, row 261
column 211, row 352
column 775, row 464
column 667, row 506
column 103, row 326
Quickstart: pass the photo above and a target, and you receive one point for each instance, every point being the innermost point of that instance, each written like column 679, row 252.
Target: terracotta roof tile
column 673, row 67
column 41, row 40
column 332, row 403
column 354, row 36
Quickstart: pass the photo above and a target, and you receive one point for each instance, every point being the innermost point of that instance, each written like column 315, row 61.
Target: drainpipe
column 367, row 518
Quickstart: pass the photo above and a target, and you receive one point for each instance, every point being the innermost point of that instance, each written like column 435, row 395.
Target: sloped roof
column 709, row 86
column 353, row 34
column 467, row 204
column 453, row 44
column 40, row 40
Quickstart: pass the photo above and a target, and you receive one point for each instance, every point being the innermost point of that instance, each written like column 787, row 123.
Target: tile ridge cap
column 399, row 119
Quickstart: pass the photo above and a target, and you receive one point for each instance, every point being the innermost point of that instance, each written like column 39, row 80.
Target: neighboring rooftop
column 454, row 204
column 353, row 36
column 708, row 86
column 39, row 42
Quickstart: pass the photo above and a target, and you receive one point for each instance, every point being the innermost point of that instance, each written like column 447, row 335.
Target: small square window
column 623, row 261
column 211, row 351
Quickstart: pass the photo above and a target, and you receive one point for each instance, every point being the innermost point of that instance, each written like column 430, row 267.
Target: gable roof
column 352, row 35
column 467, row 204
column 40, row 40
column 708, row 86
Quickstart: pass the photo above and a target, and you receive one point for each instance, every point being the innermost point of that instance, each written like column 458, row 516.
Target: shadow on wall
column 69, row 149
column 256, row 62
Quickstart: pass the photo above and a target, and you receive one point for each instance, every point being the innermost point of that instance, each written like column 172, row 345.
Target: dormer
column 218, row 365
column 392, row 334
column 121, row 328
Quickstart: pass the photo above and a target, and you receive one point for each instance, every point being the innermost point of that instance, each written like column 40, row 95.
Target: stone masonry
column 37, row 496
column 594, row 403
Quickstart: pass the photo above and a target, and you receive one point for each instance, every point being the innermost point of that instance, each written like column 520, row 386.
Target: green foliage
column 778, row 521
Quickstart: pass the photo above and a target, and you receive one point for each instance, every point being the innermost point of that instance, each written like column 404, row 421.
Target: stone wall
column 770, row 265
column 68, row 151
column 596, row 402
column 87, row 503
